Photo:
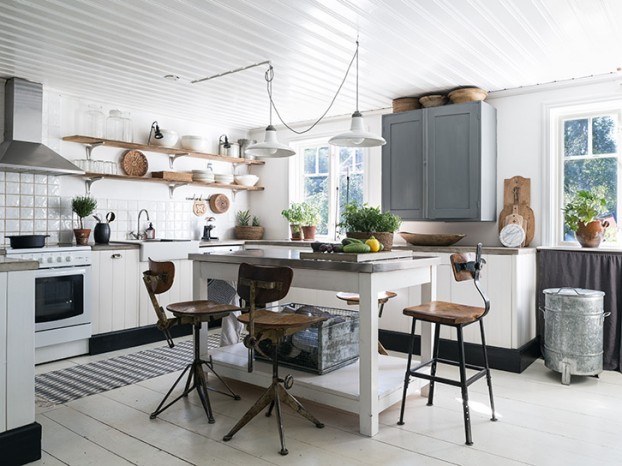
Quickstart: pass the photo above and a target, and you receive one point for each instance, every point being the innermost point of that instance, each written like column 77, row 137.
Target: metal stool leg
column 487, row 367
column 464, row 388
column 407, row 375
column 437, row 334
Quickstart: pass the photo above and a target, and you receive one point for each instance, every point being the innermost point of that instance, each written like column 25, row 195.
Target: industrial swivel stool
column 159, row 279
column 465, row 267
column 353, row 299
column 257, row 286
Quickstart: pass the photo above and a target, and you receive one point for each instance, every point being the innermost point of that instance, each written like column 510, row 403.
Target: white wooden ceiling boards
column 119, row 50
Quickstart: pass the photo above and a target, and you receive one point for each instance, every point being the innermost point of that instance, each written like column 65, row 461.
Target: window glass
column 575, row 137
column 604, row 135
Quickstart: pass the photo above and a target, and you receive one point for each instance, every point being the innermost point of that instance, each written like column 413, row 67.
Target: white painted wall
column 522, row 139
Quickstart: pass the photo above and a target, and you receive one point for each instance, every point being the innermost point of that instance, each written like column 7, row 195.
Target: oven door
column 61, row 297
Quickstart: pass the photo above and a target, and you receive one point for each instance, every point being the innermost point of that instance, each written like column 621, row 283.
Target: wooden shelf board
column 235, row 187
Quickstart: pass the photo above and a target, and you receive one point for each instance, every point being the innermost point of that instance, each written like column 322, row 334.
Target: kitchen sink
column 164, row 248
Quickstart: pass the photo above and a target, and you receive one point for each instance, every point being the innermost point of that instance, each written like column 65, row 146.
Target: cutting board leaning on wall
column 516, row 206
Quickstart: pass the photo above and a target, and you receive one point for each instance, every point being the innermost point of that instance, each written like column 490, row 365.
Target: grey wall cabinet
column 440, row 163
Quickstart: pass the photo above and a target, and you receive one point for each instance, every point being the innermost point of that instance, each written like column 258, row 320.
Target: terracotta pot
column 308, row 231
column 384, row 237
column 248, row 232
column 591, row 235
column 82, row 236
column 295, row 231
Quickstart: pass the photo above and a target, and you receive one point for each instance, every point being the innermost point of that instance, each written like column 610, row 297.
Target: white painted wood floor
column 541, row 422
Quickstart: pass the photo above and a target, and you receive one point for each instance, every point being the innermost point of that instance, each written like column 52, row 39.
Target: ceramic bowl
column 195, row 143
column 169, row 139
column 246, row 180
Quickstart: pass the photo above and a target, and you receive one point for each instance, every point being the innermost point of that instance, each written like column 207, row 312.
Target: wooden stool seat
column 353, row 299
column 441, row 312
column 201, row 309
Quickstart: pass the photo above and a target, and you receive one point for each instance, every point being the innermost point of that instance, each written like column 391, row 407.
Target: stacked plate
column 223, row 178
column 204, row 176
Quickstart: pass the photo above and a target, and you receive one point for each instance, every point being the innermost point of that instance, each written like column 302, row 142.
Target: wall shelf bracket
column 88, row 182
column 173, row 157
column 89, row 148
column 172, row 187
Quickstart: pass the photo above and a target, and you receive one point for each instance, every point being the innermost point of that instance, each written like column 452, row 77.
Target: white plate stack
column 204, row 176
column 223, row 178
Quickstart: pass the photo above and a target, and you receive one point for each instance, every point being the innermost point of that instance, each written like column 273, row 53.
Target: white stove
column 62, row 300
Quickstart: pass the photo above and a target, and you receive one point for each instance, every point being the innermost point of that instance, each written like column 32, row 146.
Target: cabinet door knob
column 116, row 256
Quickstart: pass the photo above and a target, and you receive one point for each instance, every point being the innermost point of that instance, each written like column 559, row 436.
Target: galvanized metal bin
column 322, row 348
column 573, row 331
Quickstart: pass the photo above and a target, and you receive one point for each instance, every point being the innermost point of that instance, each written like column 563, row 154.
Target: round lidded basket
column 404, row 104
column 467, row 94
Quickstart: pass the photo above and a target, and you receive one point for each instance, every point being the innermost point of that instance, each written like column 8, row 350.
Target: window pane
column 604, row 135
column 316, row 192
column 575, row 137
column 309, row 160
column 323, row 159
column 589, row 174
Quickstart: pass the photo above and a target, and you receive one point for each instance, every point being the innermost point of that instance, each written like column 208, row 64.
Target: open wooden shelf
column 234, row 187
column 170, row 151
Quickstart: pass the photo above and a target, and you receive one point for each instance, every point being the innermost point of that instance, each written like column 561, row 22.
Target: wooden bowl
column 435, row 100
column 404, row 104
column 467, row 94
column 418, row 239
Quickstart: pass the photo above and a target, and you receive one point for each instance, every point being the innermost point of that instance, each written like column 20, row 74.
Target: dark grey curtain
column 591, row 270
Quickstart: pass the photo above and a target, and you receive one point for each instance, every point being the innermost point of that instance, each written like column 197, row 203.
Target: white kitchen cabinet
column 180, row 291
column 116, row 281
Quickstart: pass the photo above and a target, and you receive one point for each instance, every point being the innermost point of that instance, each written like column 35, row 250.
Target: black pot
column 101, row 233
column 27, row 241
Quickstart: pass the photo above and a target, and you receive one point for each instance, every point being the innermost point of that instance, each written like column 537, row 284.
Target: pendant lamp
column 271, row 147
column 357, row 136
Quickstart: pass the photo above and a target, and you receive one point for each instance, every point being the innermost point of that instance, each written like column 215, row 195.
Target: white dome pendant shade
column 357, row 136
column 271, row 147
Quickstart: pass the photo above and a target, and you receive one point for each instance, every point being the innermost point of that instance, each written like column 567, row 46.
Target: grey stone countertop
column 13, row 265
column 224, row 242
column 291, row 258
column 498, row 250
column 114, row 246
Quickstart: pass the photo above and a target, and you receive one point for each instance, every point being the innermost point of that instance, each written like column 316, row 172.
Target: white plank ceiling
column 120, row 50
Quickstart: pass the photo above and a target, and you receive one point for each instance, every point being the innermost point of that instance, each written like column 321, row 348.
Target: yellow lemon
column 373, row 244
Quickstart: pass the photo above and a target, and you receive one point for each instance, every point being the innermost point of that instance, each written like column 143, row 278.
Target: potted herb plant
column 311, row 214
column 363, row 222
column 581, row 215
column 248, row 226
column 82, row 206
column 295, row 216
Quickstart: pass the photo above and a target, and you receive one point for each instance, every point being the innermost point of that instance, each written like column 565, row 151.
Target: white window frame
column 296, row 176
column 554, row 164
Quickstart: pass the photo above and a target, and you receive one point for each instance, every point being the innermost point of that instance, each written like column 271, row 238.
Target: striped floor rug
column 64, row 385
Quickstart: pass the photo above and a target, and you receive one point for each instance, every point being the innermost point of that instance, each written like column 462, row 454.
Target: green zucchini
column 357, row 248
column 347, row 241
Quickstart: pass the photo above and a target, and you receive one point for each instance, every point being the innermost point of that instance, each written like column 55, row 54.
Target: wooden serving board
column 523, row 186
column 356, row 257
column 173, row 176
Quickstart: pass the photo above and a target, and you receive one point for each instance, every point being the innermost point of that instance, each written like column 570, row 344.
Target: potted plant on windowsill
column 311, row 214
column 247, row 227
column 363, row 222
column 581, row 215
column 295, row 216
column 82, row 206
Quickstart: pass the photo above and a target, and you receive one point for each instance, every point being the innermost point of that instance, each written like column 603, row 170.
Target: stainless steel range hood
column 22, row 150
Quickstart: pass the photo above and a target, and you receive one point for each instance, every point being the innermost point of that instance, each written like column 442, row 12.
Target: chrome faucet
column 138, row 234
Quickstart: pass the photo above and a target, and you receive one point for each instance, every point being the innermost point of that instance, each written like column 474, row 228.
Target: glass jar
column 127, row 127
column 94, row 121
column 114, row 126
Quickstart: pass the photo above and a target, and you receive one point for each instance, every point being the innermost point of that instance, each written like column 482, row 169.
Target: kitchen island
column 380, row 378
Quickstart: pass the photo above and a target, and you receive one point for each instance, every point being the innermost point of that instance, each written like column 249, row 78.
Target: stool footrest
column 414, row 372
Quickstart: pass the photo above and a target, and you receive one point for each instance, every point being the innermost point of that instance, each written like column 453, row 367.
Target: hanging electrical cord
column 269, row 76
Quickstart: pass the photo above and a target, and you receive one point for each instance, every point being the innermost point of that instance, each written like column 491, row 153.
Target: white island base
column 339, row 388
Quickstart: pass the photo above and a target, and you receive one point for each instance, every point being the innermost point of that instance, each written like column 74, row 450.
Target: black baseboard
column 121, row 339
column 505, row 359
column 21, row 445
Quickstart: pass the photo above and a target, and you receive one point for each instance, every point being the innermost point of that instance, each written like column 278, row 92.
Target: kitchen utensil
column 173, row 176
column 417, row 239
column 110, row 216
column 219, row 203
column 27, row 241
column 134, row 163
column 101, row 233
column 207, row 229
column 512, row 235
column 199, row 207
column 514, row 217
column 226, row 148
column 524, row 199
